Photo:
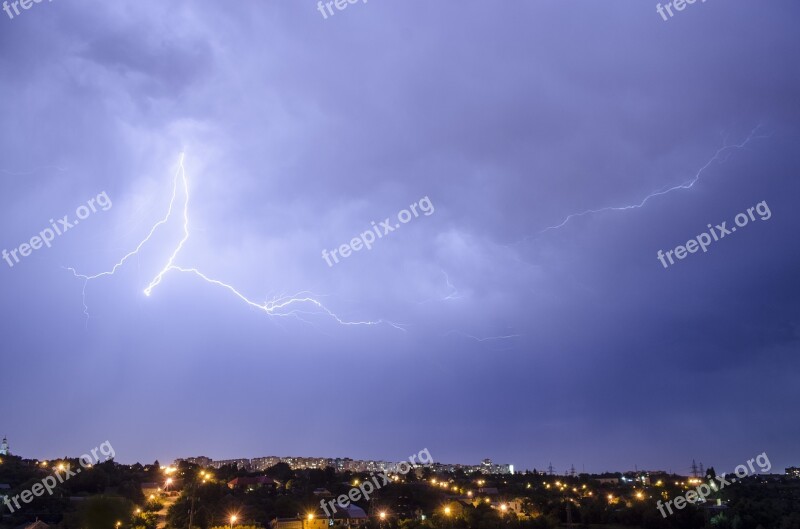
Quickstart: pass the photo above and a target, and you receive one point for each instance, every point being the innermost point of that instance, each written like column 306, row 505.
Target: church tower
column 4, row 447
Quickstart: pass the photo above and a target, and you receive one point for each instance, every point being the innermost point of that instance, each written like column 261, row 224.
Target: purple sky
column 572, row 346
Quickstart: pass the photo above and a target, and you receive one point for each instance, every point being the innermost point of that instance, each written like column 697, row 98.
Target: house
column 248, row 483
column 607, row 481
column 339, row 516
column 351, row 516
column 454, row 508
column 287, row 523
column 149, row 489
column 4, row 489
column 38, row 524
column 710, row 511
column 311, row 522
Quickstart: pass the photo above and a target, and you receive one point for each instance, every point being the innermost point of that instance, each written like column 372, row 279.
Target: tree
column 281, row 472
column 287, row 507
column 103, row 512
column 131, row 490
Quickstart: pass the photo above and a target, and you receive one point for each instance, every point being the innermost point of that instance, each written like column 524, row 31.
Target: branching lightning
column 302, row 303
column 721, row 155
column 452, row 292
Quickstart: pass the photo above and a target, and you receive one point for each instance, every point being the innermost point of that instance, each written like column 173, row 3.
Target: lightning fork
column 284, row 306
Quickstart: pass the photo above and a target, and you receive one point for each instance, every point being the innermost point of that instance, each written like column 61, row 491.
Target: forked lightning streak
column 299, row 304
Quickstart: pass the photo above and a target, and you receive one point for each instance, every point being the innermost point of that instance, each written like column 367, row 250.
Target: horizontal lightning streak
column 724, row 150
column 272, row 307
column 487, row 339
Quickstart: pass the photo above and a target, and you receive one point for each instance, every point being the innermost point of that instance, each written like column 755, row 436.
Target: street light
column 447, row 511
column 233, row 520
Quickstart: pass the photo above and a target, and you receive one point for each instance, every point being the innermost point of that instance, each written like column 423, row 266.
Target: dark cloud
column 572, row 345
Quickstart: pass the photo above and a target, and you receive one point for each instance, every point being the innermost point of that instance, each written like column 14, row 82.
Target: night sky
column 494, row 336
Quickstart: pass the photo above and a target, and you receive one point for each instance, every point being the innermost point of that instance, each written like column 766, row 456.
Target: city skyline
column 354, row 464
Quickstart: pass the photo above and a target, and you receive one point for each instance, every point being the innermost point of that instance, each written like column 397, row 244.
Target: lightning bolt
column 485, row 339
column 721, row 155
column 452, row 292
column 302, row 303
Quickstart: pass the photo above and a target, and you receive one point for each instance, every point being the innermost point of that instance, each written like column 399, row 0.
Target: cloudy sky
column 493, row 335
